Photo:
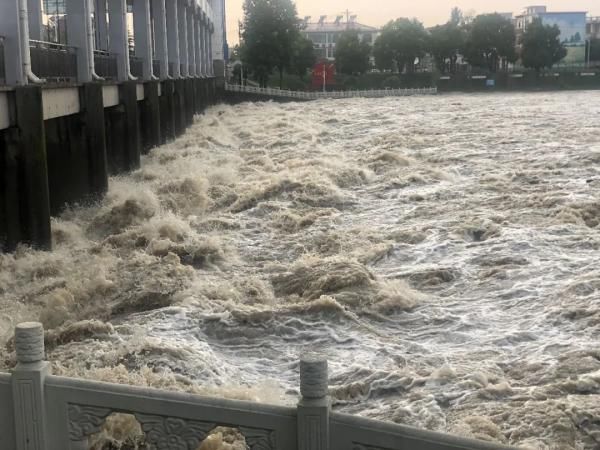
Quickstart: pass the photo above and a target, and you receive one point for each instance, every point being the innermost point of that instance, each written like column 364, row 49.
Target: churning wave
column 442, row 251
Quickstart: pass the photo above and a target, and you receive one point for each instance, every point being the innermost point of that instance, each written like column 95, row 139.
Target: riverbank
column 518, row 81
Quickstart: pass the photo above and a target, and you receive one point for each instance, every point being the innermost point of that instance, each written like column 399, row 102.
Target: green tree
column 446, row 42
column 352, row 55
column 541, row 46
column 456, row 16
column 490, row 41
column 303, row 56
column 400, row 43
column 270, row 30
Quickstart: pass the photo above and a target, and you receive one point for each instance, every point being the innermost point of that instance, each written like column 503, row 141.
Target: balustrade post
column 78, row 21
column 28, row 387
column 160, row 37
column 204, row 33
column 183, row 39
column 173, row 37
column 119, row 45
column 314, row 406
column 211, row 70
column 101, row 25
column 143, row 36
column 198, row 39
column 191, row 41
column 34, row 10
column 13, row 51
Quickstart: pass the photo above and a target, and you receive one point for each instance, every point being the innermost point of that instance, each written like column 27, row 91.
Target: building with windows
column 592, row 29
column 572, row 26
column 324, row 34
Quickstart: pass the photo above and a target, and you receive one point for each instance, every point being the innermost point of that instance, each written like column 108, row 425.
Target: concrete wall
column 529, row 81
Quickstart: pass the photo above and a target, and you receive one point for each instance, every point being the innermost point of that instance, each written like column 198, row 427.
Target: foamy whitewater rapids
column 443, row 251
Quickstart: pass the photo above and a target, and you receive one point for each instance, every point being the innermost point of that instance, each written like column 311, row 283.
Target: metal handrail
column 51, row 45
column 276, row 92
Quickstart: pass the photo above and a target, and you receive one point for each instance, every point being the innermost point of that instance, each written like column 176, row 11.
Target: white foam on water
column 442, row 251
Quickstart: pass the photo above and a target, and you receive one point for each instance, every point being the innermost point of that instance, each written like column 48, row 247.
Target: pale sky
column 430, row 12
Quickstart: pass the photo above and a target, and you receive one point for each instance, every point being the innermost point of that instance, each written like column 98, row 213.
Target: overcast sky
column 430, row 12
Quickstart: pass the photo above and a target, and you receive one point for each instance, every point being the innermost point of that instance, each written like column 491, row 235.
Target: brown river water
column 442, row 251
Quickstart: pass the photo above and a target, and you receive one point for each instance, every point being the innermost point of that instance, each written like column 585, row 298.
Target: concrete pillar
column 167, row 111
column 34, row 10
column 160, row 38
column 78, row 14
column 11, row 30
column 93, row 121
column 123, row 142
column 142, row 29
column 30, row 145
column 28, row 380
column 191, row 14
column 150, row 116
column 183, row 40
column 189, row 101
column 128, row 99
column 101, row 25
column 173, row 38
column 179, row 106
column 198, row 100
column 314, row 406
column 117, row 11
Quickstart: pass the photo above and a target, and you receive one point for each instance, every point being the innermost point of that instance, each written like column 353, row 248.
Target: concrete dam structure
column 85, row 102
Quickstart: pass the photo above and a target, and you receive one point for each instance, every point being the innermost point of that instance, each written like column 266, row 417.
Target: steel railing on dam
column 143, row 43
column 39, row 411
column 314, row 95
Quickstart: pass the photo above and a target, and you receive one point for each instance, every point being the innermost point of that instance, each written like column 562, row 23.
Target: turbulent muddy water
column 441, row 251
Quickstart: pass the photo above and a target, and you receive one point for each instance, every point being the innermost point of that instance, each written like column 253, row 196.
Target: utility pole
column 239, row 54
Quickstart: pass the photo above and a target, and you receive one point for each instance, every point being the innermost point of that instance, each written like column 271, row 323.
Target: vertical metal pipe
column 24, row 37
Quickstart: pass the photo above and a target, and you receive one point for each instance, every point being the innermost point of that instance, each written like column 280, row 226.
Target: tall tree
column 456, row 16
column 400, row 43
column 352, row 54
column 446, row 42
column 303, row 56
column 541, row 46
column 490, row 40
column 270, row 30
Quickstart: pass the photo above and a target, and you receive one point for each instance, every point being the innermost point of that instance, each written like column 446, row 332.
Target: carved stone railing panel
column 170, row 433
column 86, row 420
column 257, row 439
column 357, row 446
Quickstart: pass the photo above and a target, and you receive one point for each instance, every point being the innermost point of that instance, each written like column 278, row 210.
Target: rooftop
column 338, row 24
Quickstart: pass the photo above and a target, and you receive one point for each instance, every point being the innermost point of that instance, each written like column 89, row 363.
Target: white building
column 324, row 34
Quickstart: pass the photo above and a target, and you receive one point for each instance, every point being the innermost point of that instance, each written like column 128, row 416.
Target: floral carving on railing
column 85, row 420
column 171, row 433
column 162, row 433
column 258, row 439
column 357, row 446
